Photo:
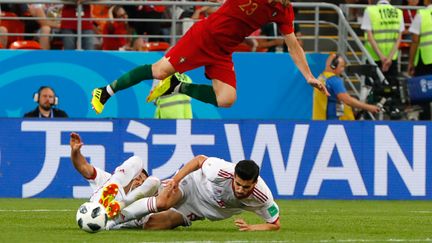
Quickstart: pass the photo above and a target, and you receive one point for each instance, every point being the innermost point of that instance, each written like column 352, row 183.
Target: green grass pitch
column 53, row 220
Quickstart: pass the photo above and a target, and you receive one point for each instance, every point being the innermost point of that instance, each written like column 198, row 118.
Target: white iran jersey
column 122, row 176
column 214, row 183
column 97, row 184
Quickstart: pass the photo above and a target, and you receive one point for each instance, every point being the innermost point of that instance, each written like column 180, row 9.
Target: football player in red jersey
column 210, row 43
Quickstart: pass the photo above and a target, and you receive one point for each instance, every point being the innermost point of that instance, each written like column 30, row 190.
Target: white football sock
column 110, row 90
column 149, row 187
column 137, row 210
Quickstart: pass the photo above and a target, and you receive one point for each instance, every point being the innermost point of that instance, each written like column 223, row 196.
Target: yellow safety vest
column 320, row 100
column 425, row 45
column 175, row 106
column 386, row 21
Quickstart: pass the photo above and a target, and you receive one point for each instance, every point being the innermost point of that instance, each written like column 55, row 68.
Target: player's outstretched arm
column 79, row 161
column 188, row 168
column 299, row 58
column 243, row 226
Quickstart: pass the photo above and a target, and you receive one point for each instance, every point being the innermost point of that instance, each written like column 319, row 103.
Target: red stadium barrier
column 21, row 44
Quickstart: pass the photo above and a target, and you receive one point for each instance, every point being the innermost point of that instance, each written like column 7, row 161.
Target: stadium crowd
column 50, row 26
column 54, row 29
column 147, row 27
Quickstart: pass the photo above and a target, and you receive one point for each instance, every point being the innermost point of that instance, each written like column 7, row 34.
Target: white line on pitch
column 36, row 210
column 320, row 241
column 421, row 211
column 382, row 240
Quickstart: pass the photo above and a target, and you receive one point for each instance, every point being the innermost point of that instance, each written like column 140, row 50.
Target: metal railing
column 347, row 10
column 174, row 34
column 346, row 42
column 345, row 32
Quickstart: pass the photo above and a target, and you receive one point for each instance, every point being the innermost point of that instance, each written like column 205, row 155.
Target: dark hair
column 247, row 170
column 36, row 96
column 115, row 10
column 44, row 87
column 145, row 172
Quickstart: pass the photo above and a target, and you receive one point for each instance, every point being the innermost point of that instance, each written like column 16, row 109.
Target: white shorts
column 188, row 207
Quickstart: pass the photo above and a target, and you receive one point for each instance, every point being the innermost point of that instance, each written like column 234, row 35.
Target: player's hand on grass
column 242, row 225
column 75, row 142
column 319, row 85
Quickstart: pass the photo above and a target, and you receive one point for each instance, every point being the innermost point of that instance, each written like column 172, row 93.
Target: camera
column 391, row 95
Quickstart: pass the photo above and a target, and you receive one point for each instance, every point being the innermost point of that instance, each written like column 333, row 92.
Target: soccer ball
column 91, row 217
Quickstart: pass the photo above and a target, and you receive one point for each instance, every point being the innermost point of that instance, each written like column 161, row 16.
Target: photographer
column 333, row 107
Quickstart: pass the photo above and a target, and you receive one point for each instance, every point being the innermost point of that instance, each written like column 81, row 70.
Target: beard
column 46, row 106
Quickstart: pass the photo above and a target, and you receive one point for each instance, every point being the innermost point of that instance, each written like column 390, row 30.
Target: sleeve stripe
column 225, row 174
column 93, row 176
column 259, row 195
column 262, row 194
column 201, row 164
column 259, row 198
column 274, row 221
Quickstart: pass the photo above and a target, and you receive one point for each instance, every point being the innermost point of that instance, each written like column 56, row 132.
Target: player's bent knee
column 162, row 69
column 153, row 224
column 163, row 221
column 226, row 101
column 162, row 203
column 226, row 95
column 160, row 75
column 154, row 180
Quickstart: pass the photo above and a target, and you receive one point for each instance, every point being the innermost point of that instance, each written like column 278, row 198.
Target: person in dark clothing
column 146, row 12
column 46, row 99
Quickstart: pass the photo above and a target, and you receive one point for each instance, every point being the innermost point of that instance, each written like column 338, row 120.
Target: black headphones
column 335, row 62
column 36, row 95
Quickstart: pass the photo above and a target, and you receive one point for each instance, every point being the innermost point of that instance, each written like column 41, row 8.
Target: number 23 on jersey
column 249, row 7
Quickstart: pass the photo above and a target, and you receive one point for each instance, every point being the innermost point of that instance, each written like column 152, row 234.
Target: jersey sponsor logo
column 273, row 210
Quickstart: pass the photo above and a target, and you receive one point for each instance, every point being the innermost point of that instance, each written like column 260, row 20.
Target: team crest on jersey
column 182, row 59
column 274, row 14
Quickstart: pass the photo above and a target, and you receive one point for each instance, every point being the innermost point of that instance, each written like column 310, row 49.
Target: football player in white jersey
column 206, row 187
column 129, row 182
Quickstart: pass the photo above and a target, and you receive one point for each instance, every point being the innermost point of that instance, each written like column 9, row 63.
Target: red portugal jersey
column 69, row 11
column 237, row 19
